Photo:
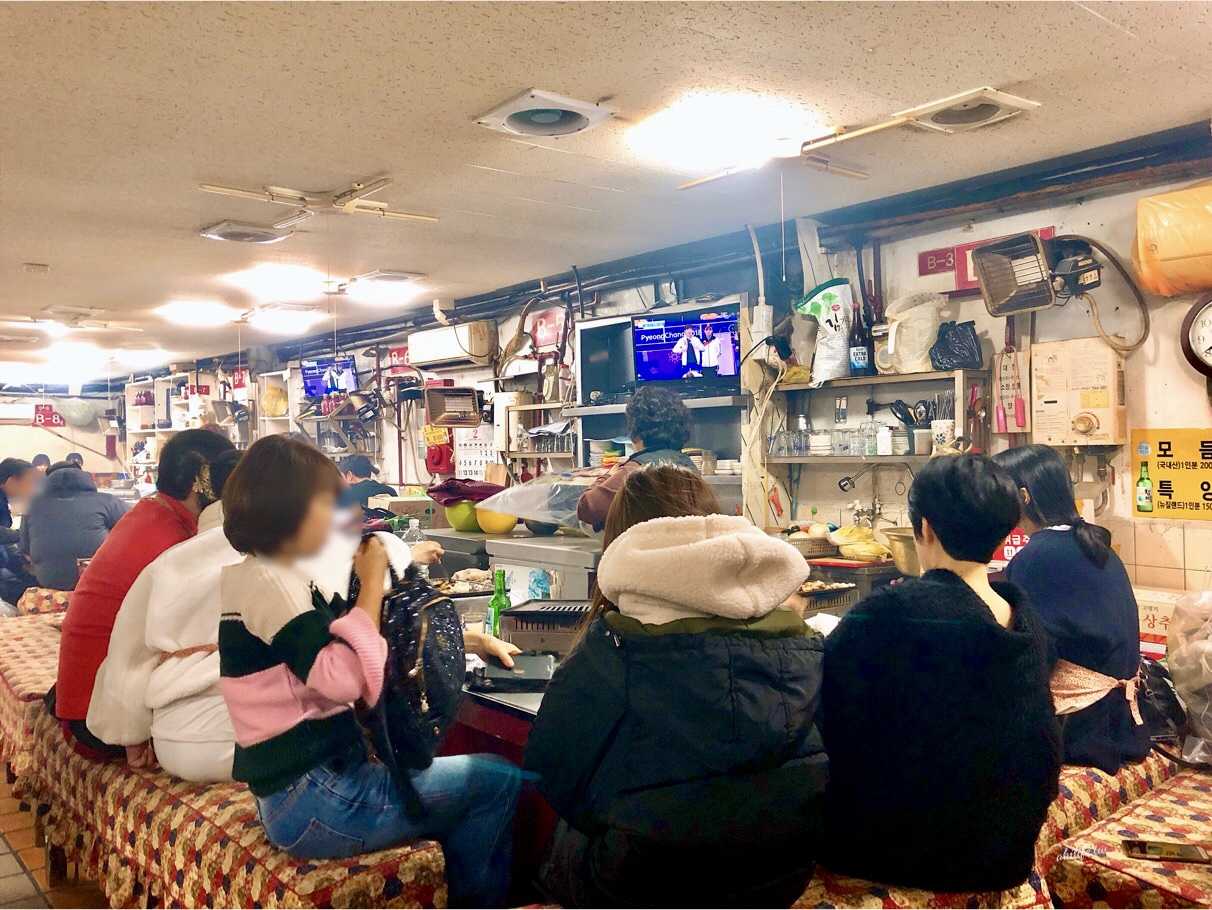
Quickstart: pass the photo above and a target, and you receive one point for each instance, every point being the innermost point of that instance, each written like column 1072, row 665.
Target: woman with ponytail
column 168, row 517
column 1083, row 595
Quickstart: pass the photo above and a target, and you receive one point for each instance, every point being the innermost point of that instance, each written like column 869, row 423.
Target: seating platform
column 1086, row 795
column 29, row 661
column 150, row 839
column 1091, row 869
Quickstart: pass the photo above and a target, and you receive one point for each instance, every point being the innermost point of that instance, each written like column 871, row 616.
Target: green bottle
column 498, row 605
column 1144, row 490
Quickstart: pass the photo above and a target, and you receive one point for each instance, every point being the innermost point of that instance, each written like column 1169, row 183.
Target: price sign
column 45, row 415
column 1171, row 471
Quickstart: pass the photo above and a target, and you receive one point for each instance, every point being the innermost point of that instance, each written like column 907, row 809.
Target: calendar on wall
column 473, row 451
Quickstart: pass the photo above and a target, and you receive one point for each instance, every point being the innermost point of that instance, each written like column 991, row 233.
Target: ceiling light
column 539, row 113
column 711, row 131
column 275, row 281
column 199, row 314
column 384, row 287
column 141, row 358
column 53, row 329
column 285, row 320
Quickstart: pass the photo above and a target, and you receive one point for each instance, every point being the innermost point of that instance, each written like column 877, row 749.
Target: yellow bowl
column 495, row 522
column 462, row 516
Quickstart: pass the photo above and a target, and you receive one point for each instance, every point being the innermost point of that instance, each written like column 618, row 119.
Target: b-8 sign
column 45, row 415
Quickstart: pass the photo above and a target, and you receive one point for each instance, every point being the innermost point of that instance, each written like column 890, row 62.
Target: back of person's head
column 357, row 466
column 61, row 466
column 220, row 471
column 42, row 460
column 970, row 503
column 13, row 469
column 657, row 417
column 183, row 458
column 280, row 493
column 1046, row 490
column 661, row 491
column 75, row 458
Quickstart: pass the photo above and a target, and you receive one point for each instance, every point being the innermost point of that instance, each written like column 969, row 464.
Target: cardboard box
column 429, row 512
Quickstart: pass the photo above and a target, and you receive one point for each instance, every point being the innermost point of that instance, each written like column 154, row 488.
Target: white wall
column 26, row 441
column 1162, row 389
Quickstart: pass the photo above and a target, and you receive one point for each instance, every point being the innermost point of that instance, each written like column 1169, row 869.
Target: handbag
column 957, row 347
column 422, row 681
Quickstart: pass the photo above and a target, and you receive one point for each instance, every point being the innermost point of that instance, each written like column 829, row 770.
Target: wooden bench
column 149, row 839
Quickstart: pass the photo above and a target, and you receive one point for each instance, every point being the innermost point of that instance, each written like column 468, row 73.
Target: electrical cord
column 1111, row 342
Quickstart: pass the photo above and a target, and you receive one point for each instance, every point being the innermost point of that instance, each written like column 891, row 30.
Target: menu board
column 1171, row 473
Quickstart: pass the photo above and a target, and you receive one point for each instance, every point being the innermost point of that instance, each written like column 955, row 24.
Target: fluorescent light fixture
column 199, row 314
column 384, row 287
column 54, row 329
column 274, row 282
column 712, row 131
column 285, row 320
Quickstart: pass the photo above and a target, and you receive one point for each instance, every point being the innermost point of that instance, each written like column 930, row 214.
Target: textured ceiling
column 112, row 113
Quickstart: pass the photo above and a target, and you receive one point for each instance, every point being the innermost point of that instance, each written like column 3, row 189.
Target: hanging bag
column 958, row 347
column 422, row 682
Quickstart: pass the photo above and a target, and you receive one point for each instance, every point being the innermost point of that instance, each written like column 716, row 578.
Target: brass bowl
column 904, row 551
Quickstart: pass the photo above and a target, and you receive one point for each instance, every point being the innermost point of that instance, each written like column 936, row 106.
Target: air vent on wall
column 539, row 113
column 242, row 232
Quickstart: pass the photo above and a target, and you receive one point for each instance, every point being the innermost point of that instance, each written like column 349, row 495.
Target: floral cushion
column 29, row 661
column 42, row 600
column 152, row 839
column 1091, row 870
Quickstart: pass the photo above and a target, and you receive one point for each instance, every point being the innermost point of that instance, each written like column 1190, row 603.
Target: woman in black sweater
column 943, row 747
column 1082, row 594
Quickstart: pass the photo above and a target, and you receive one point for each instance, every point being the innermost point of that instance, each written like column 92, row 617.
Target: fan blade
column 712, row 178
column 369, row 207
column 264, row 195
column 360, row 190
column 292, row 219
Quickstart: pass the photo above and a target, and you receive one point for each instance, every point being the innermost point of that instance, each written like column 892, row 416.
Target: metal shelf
column 540, row 455
column 546, row 406
column 692, row 404
column 847, row 459
column 885, row 379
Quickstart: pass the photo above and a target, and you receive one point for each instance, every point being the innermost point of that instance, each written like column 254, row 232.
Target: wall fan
column 351, row 200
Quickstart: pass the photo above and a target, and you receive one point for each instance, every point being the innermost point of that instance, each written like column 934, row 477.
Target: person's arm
column 23, row 545
column 118, row 712
column 114, row 510
column 594, row 504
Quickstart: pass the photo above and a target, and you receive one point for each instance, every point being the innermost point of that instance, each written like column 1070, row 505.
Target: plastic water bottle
column 414, row 535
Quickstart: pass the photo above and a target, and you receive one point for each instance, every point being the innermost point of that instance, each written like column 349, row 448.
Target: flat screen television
column 695, row 347
column 328, row 375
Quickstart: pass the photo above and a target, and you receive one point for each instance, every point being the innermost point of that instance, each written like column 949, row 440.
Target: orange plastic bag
column 1173, row 252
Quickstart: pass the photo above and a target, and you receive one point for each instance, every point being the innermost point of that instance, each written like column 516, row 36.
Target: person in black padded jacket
column 943, row 747
column 678, row 740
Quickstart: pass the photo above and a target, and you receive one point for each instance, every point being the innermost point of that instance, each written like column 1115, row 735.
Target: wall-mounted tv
column 698, row 347
column 328, row 375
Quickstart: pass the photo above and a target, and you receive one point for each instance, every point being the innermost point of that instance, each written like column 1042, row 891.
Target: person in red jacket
column 158, row 522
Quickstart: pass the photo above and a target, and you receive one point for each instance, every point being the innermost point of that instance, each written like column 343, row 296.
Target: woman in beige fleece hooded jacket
column 678, row 741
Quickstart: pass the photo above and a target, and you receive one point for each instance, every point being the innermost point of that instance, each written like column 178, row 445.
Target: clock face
column 1199, row 335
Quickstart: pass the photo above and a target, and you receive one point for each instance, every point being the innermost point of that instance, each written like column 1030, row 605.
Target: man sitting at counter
column 658, row 425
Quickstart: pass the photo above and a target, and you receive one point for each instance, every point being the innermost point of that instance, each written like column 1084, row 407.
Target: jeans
column 351, row 806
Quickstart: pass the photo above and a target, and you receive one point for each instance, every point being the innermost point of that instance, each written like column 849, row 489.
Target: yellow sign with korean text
column 1171, row 473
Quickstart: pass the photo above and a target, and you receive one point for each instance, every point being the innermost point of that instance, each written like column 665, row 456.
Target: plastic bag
column 1189, row 657
column 913, row 323
column 1160, row 706
column 957, row 348
column 1173, row 250
column 829, row 305
column 549, row 498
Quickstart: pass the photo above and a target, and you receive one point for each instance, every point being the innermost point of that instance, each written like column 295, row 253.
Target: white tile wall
column 1198, row 548
column 1164, row 554
column 1160, row 577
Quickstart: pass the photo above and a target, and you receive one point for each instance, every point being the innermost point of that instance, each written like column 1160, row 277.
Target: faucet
column 875, row 514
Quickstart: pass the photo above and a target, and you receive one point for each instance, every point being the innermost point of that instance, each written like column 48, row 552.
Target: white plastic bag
column 830, row 305
column 1189, row 658
column 913, row 323
column 549, row 498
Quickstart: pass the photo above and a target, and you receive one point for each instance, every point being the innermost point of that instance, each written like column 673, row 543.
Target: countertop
column 522, row 703
column 520, row 544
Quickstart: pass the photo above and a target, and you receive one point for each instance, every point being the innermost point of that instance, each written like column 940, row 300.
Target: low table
column 29, row 664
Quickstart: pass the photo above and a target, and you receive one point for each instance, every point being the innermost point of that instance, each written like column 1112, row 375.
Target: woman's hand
column 486, row 646
column 370, row 565
column 427, row 553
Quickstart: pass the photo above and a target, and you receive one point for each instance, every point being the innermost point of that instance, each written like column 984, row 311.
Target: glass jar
column 841, row 442
column 870, row 438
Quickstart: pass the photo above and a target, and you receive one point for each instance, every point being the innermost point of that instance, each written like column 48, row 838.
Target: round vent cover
column 546, row 121
column 539, row 113
column 966, row 114
column 240, row 232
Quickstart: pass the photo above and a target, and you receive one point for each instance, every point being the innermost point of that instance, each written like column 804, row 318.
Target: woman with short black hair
column 1082, row 594
column 944, row 751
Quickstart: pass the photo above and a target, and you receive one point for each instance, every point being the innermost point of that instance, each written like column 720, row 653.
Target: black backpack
column 423, row 682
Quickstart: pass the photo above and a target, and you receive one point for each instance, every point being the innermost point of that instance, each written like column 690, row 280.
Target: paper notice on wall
column 1171, row 470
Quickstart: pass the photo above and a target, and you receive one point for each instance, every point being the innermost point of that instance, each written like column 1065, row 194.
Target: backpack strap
column 413, row 806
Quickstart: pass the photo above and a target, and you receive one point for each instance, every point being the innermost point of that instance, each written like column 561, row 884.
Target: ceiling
column 113, row 113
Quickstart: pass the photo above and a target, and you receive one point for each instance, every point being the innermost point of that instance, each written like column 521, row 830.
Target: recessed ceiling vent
column 242, row 232
column 970, row 110
column 539, row 113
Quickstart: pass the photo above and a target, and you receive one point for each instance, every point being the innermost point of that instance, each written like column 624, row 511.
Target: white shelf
column 269, row 419
column 692, row 404
column 883, row 379
column 847, row 459
column 564, row 455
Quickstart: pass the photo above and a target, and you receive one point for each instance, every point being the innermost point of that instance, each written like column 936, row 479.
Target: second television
column 694, row 346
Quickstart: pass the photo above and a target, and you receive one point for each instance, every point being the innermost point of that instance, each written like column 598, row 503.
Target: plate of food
column 466, row 582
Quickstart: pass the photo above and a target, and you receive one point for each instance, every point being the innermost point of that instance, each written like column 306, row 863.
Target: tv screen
column 692, row 346
column 328, row 375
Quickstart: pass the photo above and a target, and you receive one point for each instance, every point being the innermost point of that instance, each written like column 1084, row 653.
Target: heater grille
column 1014, row 275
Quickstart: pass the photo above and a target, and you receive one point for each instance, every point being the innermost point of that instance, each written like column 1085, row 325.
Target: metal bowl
column 904, row 551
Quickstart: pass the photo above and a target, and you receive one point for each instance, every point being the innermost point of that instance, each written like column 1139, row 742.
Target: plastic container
column 413, row 536
column 883, row 441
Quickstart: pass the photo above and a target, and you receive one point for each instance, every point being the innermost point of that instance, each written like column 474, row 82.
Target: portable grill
column 546, row 626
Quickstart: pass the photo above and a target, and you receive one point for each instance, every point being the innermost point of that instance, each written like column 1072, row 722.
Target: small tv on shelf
column 327, row 375
column 697, row 347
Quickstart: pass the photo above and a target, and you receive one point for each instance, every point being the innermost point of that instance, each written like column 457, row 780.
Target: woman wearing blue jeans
column 289, row 677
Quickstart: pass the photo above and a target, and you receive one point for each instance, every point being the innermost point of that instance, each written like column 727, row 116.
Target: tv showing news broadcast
column 693, row 346
column 327, row 375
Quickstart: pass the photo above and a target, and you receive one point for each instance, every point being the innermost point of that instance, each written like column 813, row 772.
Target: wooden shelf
column 886, row 379
column 847, row 459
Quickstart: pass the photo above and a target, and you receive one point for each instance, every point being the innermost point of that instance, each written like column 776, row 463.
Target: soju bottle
column 498, row 605
column 1144, row 490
